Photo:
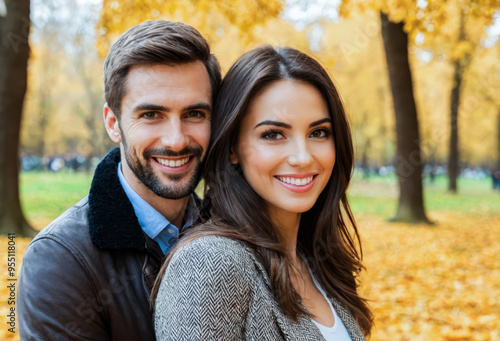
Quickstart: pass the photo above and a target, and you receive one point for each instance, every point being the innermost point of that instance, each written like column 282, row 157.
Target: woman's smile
column 298, row 183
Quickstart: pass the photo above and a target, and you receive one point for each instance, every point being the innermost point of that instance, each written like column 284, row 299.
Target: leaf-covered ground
column 425, row 283
column 437, row 282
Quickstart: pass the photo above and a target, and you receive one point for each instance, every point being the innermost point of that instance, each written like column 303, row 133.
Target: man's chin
column 173, row 193
column 174, row 186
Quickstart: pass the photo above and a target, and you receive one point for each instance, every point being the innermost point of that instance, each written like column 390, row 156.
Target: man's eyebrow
column 201, row 105
column 318, row 122
column 274, row 123
column 150, row 107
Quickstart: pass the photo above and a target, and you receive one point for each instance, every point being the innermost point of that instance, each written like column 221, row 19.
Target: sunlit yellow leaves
column 424, row 16
column 460, row 50
column 209, row 17
column 433, row 283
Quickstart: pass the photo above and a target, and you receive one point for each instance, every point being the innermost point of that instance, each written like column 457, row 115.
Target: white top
column 337, row 332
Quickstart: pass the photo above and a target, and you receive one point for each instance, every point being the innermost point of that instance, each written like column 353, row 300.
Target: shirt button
column 172, row 241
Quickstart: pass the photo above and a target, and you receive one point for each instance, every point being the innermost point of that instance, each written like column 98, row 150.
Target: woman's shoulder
column 215, row 253
column 213, row 244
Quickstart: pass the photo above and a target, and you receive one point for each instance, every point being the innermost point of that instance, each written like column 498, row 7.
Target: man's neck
column 173, row 210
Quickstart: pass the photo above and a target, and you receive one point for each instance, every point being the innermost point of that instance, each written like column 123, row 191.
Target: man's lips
column 174, row 164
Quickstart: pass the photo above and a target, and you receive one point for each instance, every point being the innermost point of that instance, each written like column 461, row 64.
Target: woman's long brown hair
column 328, row 236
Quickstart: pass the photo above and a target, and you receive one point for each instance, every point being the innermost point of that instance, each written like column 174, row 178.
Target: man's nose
column 174, row 136
column 300, row 154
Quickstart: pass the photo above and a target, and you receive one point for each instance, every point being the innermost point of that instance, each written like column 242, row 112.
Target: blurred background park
column 421, row 84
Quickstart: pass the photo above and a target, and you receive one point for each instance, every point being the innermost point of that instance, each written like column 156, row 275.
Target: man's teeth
column 296, row 181
column 173, row 163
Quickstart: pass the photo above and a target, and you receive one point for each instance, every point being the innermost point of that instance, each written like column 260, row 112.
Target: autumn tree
column 408, row 158
column 408, row 155
column 453, row 31
column 213, row 18
column 14, row 52
column 49, row 45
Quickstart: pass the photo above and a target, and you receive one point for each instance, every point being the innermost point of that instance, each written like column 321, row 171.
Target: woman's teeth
column 173, row 163
column 296, row 181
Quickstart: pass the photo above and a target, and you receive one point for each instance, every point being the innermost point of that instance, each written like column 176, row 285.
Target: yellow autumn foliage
column 439, row 283
column 213, row 18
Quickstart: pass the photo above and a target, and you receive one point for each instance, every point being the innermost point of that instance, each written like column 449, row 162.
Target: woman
column 274, row 259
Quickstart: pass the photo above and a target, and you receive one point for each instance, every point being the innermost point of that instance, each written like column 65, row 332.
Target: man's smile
column 171, row 162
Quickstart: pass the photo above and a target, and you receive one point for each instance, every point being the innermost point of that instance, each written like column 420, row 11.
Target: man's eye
column 195, row 114
column 149, row 114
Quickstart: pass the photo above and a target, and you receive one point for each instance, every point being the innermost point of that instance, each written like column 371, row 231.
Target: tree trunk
column 453, row 160
column 14, row 52
column 408, row 157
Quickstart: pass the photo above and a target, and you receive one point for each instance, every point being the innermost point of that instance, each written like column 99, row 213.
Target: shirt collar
column 153, row 222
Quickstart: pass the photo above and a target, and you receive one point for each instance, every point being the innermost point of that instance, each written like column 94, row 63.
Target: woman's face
column 285, row 146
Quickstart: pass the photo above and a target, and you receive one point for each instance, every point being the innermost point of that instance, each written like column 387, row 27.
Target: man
column 88, row 275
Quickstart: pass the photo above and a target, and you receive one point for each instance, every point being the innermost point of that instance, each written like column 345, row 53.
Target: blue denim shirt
column 153, row 223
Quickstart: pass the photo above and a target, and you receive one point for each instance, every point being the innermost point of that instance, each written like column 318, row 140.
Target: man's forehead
column 187, row 82
column 162, row 73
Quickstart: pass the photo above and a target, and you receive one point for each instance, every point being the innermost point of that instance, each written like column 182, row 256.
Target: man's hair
column 150, row 43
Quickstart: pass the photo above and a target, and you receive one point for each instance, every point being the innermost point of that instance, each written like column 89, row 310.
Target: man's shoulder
column 71, row 227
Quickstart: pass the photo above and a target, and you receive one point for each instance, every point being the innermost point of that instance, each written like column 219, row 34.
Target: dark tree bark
column 408, row 156
column 14, row 52
column 459, row 67
column 453, row 159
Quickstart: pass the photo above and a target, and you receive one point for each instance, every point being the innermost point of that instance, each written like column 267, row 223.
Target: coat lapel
column 305, row 329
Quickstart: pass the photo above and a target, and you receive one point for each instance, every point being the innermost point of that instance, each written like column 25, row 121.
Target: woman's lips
column 298, row 183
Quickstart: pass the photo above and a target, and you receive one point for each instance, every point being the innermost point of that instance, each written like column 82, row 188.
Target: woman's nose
column 300, row 154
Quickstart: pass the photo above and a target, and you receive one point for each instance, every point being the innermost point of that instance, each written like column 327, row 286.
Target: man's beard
column 144, row 171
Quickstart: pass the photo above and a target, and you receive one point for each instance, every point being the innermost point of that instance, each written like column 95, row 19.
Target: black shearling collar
column 112, row 221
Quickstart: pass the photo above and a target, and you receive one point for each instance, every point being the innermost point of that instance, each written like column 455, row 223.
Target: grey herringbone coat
column 215, row 289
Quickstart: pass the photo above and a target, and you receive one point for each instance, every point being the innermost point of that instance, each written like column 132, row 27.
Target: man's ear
column 111, row 124
column 233, row 157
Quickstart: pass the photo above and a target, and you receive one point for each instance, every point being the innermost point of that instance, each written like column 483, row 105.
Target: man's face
column 164, row 128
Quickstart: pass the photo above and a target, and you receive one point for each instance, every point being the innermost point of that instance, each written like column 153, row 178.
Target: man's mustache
column 189, row 150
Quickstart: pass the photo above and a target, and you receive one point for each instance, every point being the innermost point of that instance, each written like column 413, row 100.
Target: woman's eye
column 320, row 133
column 273, row 135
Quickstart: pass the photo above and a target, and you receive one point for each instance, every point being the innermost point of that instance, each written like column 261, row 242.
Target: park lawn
column 45, row 196
column 438, row 282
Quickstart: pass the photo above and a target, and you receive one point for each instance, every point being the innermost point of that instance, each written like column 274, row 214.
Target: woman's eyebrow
column 274, row 123
column 318, row 122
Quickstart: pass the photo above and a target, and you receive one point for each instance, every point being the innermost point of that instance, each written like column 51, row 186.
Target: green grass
column 378, row 196
column 45, row 195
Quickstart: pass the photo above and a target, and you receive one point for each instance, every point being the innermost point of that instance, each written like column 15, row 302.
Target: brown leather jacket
column 88, row 275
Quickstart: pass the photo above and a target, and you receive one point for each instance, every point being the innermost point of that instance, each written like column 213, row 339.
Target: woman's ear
column 232, row 157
